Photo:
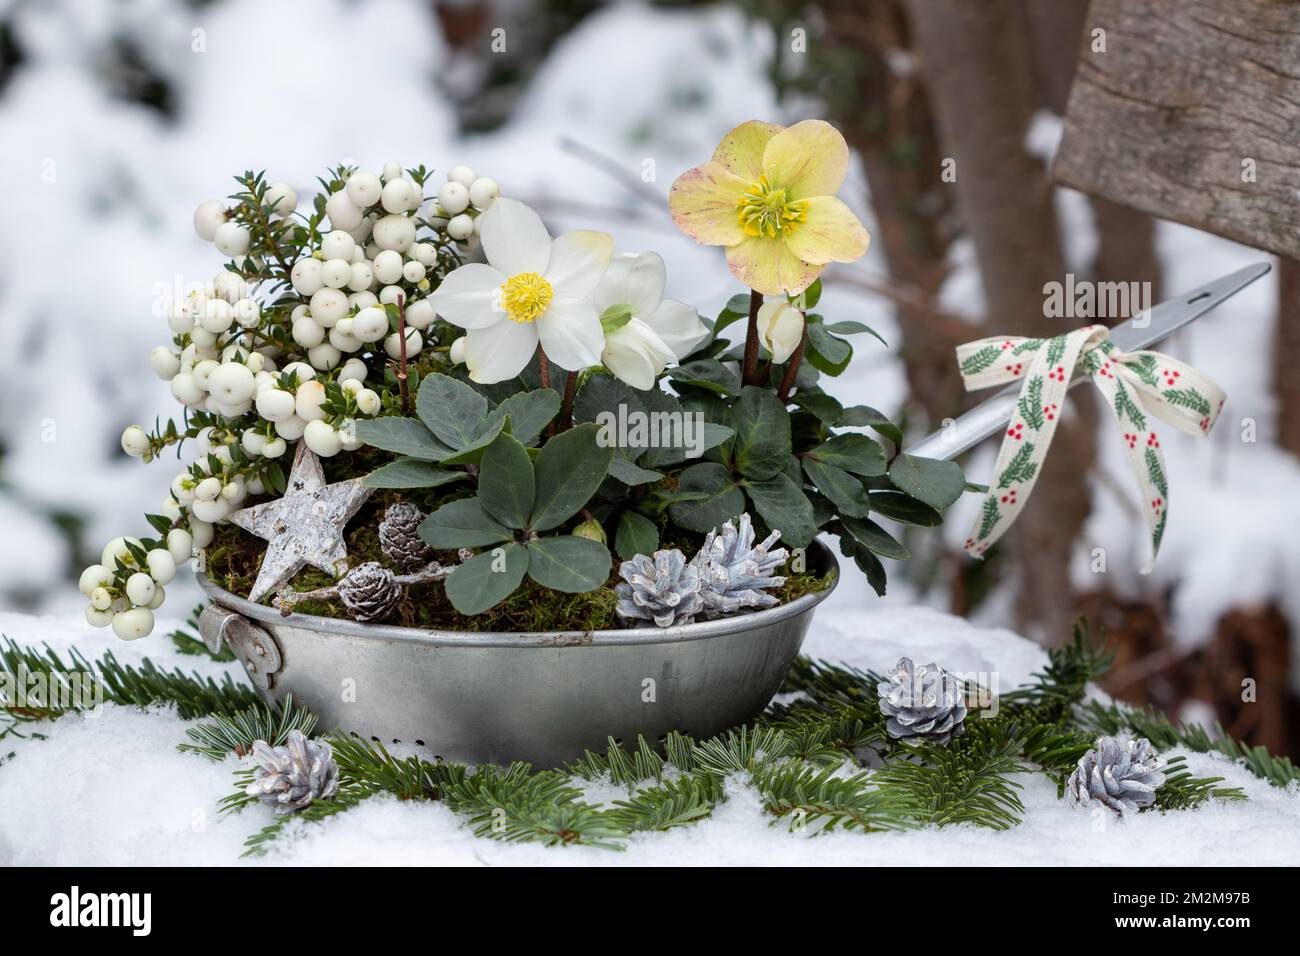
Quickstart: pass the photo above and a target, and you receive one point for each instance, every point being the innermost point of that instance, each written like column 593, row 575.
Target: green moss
column 234, row 557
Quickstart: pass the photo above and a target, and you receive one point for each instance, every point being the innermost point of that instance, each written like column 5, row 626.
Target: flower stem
column 566, row 407
column 792, row 370
column 401, row 360
column 749, row 368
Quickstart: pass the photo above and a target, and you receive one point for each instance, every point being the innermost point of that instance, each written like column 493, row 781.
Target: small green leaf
column 636, row 534
column 472, row 453
column 529, row 413
column 852, row 328
column 864, row 416
column 569, row 469
column 631, row 473
column 505, row 482
column 462, row 524
column 452, row 410
column 568, row 563
column 826, row 409
column 784, row 507
column 853, row 453
column 715, row 497
column 402, row 436
column 762, row 426
column 487, row 579
column 737, row 308
column 410, row 473
column 615, row 317
column 937, row 483
column 905, row 509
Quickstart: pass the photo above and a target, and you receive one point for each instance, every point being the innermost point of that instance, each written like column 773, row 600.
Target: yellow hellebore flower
column 768, row 195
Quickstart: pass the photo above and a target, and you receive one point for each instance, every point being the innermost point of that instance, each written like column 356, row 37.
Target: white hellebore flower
column 780, row 328
column 659, row 330
column 532, row 289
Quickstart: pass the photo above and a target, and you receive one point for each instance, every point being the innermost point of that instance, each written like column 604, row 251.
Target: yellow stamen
column 526, row 296
column 765, row 211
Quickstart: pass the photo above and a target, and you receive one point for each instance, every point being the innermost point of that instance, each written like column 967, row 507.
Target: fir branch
column 808, row 795
column 237, row 733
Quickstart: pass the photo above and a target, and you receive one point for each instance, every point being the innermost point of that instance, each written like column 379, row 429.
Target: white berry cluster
column 295, row 340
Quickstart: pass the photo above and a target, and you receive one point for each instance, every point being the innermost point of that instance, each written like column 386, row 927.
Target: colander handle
column 250, row 642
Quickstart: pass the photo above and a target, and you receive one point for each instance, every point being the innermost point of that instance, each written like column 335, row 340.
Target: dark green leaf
column 839, row 486
column 826, row 409
column 905, row 508
column 737, row 308
column 937, row 483
column 870, row 535
column 487, row 579
column 853, row 453
column 826, row 352
column 636, row 534
column 569, row 470
column 410, row 473
column 708, row 374
column 452, row 410
column 402, row 436
column 762, row 426
column 568, row 563
column 505, row 482
column 784, row 507
column 462, row 524
column 472, row 453
column 719, row 499
column 864, row 416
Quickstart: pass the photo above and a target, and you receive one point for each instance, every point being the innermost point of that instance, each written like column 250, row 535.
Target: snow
column 113, row 790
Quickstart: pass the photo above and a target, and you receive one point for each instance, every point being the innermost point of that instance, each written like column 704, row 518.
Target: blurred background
column 117, row 118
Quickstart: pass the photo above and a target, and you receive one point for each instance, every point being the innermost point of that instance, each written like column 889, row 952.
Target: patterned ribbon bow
column 1136, row 385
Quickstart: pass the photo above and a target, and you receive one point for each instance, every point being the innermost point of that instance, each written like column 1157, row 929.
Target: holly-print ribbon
column 1138, row 387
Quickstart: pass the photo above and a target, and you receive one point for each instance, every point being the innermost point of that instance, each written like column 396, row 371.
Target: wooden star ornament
column 305, row 526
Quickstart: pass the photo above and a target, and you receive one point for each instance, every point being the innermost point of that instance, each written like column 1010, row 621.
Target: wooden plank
column 1185, row 98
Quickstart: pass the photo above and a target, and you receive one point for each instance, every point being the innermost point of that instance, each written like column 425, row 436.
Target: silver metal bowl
column 495, row 697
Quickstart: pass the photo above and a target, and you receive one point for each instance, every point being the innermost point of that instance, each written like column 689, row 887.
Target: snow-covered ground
column 114, row 790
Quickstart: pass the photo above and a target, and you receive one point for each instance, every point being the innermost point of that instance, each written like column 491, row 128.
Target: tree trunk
column 977, row 68
column 1286, row 350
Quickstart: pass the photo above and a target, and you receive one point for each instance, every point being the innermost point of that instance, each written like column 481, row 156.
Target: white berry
column 208, row 217
column 395, row 232
column 343, row 212
column 453, row 197
column 305, row 276
column 321, row 438
column 133, row 624
column 460, row 227
column 388, row 266
column 337, row 245
column 414, row 343
column 364, row 189
column 336, row 273
column 328, row 306
column 420, row 314
column 139, row 589
column 370, row 325
column 308, row 332
column 275, row 404
column 397, row 195
column 134, row 441
column 231, row 383
column 232, row 239
column 368, row 402
column 483, row 191
column 461, row 174
column 274, row 448
column 93, row 577
column 97, row 618
column 281, row 199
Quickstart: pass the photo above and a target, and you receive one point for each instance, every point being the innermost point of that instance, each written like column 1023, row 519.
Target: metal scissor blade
column 1144, row 329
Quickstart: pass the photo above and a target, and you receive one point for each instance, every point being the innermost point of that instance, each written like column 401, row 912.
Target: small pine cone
column 734, row 571
column 1120, row 774
column 400, row 539
column 369, row 591
column 923, row 702
column 289, row 778
column 665, row 590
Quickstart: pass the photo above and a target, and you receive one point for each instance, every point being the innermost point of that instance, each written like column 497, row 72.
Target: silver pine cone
column 369, row 591
column 289, row 778
column 1119, row 773
column 922, row 702
column 734, row 571
column 665, row 590
column 400, row 539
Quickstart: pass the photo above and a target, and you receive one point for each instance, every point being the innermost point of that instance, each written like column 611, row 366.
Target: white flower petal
column 469, row 296
column 578, row 262
column 678, row 325
column 635, row 354
column 635, row 279
column 571, row 334
column 514, row 238
column 780, row 328
column 498, row 352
